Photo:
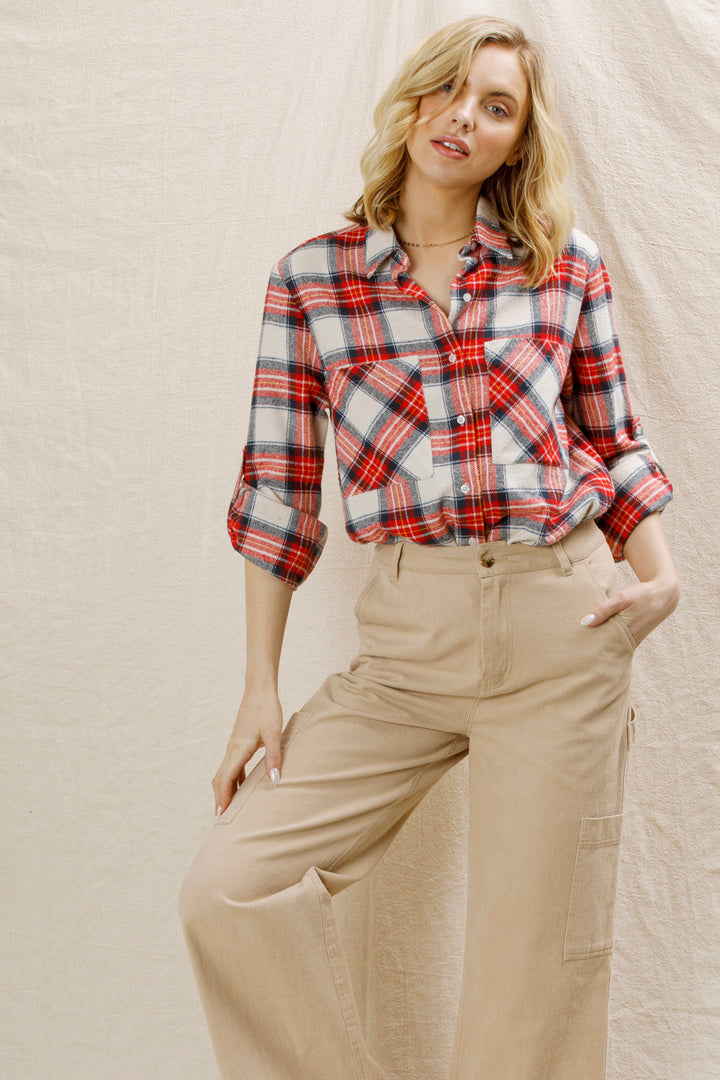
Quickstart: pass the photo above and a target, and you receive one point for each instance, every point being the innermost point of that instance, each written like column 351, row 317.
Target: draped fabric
column 157, row 160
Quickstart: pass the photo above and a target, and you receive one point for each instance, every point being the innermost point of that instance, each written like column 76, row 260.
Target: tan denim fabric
column 473, row 652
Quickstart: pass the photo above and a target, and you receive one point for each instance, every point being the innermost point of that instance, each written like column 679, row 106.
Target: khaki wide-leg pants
column 473, row 652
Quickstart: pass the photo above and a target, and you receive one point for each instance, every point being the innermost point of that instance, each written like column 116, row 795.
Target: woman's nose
column 462, row 113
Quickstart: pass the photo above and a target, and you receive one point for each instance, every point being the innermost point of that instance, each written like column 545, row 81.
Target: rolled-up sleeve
column 596, row 396
column 273, row 518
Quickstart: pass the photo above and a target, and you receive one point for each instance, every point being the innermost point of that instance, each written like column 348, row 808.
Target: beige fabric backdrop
column 158, row 158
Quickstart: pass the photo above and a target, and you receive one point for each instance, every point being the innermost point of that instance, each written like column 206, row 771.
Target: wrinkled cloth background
column 157, row 159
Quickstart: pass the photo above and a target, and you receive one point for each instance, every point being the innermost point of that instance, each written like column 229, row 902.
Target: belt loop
column 395, row 564
column 563, row 557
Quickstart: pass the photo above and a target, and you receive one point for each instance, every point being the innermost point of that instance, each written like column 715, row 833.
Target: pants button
column 487, row 559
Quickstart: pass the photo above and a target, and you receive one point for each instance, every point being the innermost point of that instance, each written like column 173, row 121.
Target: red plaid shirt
column 507, row 419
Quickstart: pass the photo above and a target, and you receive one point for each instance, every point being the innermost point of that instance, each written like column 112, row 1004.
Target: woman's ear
column 514, row 157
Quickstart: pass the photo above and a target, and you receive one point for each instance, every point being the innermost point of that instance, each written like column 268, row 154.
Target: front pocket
column 527, row 420
column 623, row 621
column 380, row 418
column 372, row 580
column 603, row 571
column 591, row 915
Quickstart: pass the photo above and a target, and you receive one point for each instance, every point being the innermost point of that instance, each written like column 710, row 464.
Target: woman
column 461, row 337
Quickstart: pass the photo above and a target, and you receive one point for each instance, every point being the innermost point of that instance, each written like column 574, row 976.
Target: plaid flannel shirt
column 507, row 419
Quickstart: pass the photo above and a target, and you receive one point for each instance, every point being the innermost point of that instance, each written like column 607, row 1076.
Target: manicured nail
column 218, row 812
column 275, row 776
column 587, row 620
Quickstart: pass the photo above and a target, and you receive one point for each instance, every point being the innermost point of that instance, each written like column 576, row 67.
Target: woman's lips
column 446, row 151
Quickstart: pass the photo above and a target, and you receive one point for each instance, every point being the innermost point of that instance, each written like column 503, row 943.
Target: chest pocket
column 527, row 422
column 382, row 431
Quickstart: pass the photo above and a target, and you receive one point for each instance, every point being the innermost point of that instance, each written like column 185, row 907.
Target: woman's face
column 484, row 124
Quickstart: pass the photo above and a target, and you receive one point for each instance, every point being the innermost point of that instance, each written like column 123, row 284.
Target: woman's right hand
column 259, row 723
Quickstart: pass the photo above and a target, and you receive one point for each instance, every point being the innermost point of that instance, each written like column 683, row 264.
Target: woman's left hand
column 657, row 591
column 645, row 604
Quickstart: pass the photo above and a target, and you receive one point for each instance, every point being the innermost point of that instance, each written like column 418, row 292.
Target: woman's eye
column 447, row 87
column 500, row 110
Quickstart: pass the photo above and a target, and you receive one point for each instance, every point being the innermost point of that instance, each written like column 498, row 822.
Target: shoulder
column 322, row 256
column 582, row 248
column 579, row 266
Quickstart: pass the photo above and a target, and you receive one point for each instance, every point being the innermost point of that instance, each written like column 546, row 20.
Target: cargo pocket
column 591, row 915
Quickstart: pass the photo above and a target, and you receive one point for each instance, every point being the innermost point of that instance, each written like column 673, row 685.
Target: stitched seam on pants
column 243, row 792
column 459, row 1033
column 333, row 957
column 356, row 840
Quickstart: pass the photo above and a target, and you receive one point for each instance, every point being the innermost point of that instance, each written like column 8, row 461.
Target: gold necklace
column 411, row 243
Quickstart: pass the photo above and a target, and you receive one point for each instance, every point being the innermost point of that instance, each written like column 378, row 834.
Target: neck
column 430, row 214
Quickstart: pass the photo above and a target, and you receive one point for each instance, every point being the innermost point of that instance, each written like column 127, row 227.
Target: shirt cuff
column 641, row 488
column 284, row 541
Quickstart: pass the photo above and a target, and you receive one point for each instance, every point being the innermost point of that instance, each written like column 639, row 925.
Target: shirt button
column 461, row 420
column 472, row 540
column 467, row 297
column 465, row 488
column 487, row 559
column 452, row 357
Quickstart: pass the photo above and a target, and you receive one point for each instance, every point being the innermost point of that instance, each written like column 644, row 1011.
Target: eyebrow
column 501, row 94
column 504, row 94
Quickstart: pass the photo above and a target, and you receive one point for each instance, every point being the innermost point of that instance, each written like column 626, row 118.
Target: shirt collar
column 382, row 244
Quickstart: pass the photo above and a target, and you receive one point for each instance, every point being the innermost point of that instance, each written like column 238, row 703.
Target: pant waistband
column 497, row 557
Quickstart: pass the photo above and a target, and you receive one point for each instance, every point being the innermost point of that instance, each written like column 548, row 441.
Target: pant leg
column 256, row 902
column 451, row 650
column 549, row 739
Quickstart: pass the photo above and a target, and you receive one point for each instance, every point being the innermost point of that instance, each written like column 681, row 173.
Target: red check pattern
column 378, row 410
column 508, row 419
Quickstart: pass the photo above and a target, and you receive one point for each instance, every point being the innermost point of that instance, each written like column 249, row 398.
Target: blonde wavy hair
column 529, row 197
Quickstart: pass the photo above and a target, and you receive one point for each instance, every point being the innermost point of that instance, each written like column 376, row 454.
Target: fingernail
column 218, row 812
column 587, row 620
column 275, row 776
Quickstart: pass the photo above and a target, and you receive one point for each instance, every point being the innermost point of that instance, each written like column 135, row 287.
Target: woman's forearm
column 267, row 602
column 647, row 552
column 259, row 718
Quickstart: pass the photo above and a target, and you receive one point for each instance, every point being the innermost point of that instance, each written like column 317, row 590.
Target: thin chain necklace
column 444, row 243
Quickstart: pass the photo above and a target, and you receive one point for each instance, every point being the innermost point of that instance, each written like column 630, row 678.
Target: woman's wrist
column 261, row 685
column 667, row 587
